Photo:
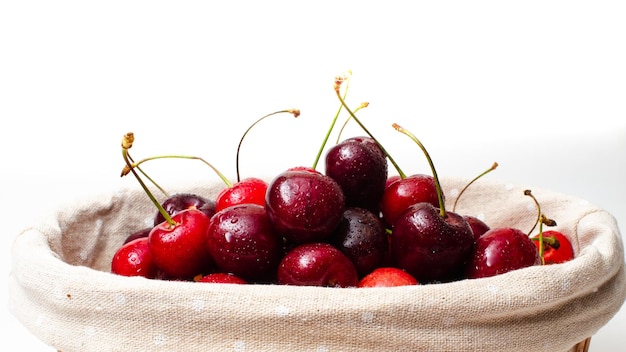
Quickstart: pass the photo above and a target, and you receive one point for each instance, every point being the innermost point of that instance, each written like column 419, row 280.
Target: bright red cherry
column 387, row 277
column 404, row 192
column 134, row 259
column 222, row 278
column 249, row 190
column 179, row 250
column 557, row 247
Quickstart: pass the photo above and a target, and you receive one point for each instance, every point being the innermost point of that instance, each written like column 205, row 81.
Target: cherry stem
column 127, row 143
column 126, row 170
column 541, row 220
column 334, row 121
column 493, row 167
column 442, row 209
column 343, row 103
column 345, row 123
column 294, row 112
column 551, row 241
column 136, row 165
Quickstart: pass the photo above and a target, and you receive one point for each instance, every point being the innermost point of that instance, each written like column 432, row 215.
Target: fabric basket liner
column 62, row 290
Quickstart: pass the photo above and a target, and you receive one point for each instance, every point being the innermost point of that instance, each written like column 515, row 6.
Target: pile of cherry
column 352, row 225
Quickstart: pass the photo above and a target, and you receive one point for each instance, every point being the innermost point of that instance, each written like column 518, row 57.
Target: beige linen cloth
column 61, row 289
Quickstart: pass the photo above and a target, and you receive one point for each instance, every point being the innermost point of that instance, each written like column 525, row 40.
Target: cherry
column 182, row 201
column 317, row 264
column 241, row 241
column 387, row 277
column 176, row 244
column 478, row 226
column 501, row 250
column 404, row 192
column 249, row 190
column 304, row 206
column 430, row 243
column 221, row 278
column 360, row 168
column 430, row 246
column 391, row 179
column 557, row 248
column 361, row 236
column 179, row 249
column 134, row 258
column 553, row 246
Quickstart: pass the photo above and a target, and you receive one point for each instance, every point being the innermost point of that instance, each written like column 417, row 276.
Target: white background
column 538, row 86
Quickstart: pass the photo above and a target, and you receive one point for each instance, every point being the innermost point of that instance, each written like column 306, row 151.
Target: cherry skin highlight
column 241, row 241
column 304, row 206
column 179, row 250
column 134, row 259
column 317, row 264
column 501, row 250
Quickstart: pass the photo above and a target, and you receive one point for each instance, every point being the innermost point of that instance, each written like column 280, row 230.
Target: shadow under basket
column 61, row 289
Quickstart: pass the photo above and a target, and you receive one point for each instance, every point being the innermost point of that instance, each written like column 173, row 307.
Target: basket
column 61, row 289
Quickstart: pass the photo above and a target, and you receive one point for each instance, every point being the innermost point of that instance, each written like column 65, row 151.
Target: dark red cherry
column 429, row 246
column 499, row 251
column 241, row 241
column 317, row 264
column 182, row 201
column 360, row 168
column 361, row 236
column 478, row 226
column 304, row 206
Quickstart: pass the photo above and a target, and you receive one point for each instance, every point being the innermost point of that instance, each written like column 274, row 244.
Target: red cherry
column 134, row 259
column 317, row 264
column 304, row 206
column 404, row 192
column 387, row 277
column 501, row 250
column 429, row 246
column 478, row 226
column 250, row 190
column 557, row 247
column 179, row 250
column 181, row 201
column 391, row 179
column 241, row 240
column 222, row 278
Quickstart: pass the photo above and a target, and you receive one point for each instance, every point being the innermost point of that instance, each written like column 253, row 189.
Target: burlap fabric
column 61, row 289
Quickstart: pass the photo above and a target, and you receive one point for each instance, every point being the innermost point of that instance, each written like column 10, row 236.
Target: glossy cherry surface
column 304, row 206
column 241, row 241
column 501, row 250
column 428, row 246
column 179, row 250
column 317, row 264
